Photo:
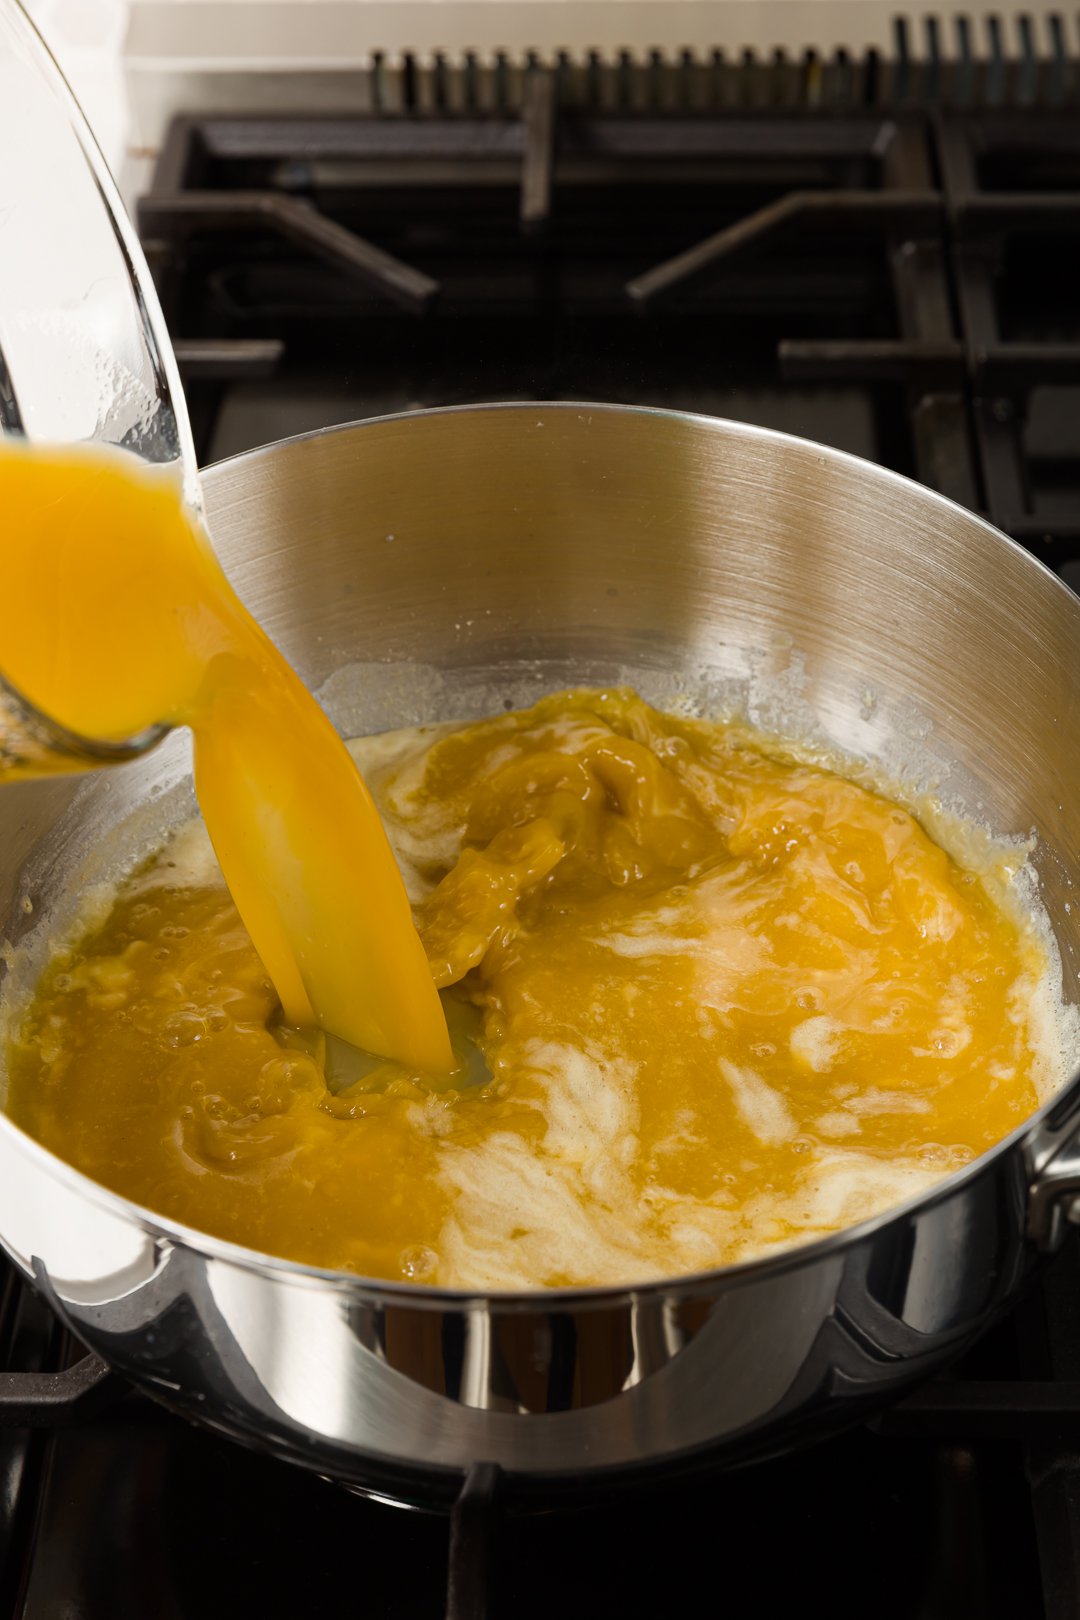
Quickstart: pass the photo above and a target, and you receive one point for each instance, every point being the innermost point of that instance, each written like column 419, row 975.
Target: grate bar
column 196, row 212
column 227, row 359
column 1026, row 365
column 539, row 164
column 987, row 1409
column 472, row 1522
column 56, row 1400
column 978, row 218
column 925, row 363
column 915, row 212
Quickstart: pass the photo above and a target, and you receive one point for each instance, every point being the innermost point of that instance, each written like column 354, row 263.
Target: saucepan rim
column 563, row 1299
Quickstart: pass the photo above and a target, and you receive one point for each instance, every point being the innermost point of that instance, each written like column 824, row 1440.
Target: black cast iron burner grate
column 52, row 1400
column 954, row 1412
column 915, row 272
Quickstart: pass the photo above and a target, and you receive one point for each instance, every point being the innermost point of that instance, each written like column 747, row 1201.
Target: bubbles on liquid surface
column 184, row 1028
column 418, row 1263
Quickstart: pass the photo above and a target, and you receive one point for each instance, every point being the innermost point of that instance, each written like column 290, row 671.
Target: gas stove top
column 898, row 281
column 852, row 248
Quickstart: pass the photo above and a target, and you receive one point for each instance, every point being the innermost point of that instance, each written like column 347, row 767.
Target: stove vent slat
column 951, row 66
column 672, row 58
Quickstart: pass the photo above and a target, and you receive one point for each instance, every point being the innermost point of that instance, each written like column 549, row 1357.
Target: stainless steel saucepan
column 442, row 564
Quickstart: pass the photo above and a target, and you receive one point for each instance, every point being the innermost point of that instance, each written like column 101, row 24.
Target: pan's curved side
column 441, row 564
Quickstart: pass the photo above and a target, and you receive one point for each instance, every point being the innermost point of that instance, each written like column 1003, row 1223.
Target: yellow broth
column 727, row 1001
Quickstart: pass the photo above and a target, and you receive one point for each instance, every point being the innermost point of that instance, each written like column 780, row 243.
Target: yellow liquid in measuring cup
column 118, row 617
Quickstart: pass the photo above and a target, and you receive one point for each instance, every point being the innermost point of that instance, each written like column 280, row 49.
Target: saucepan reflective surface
column 442, row 565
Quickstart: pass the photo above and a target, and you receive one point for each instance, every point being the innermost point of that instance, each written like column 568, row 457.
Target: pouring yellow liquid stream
column 118, row 617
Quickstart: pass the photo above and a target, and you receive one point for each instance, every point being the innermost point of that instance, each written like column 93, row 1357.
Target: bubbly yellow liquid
column 728, row 1001
column 118, row 617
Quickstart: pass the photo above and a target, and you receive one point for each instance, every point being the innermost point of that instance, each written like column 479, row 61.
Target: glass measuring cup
column 84, row 353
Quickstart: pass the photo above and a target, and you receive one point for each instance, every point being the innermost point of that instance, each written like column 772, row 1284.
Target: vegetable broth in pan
column 728, row 1000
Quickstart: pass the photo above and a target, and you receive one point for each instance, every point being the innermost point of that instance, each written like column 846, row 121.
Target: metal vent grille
column 951, row 62
column 675, row 56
